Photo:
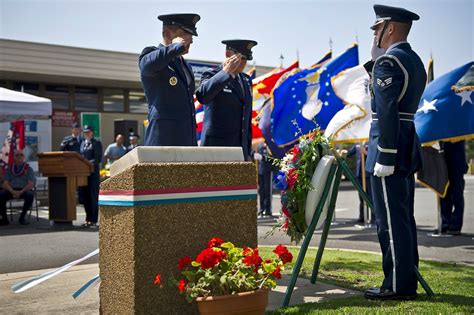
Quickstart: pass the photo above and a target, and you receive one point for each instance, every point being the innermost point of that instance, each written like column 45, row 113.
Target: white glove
column 257, row 156
column 383, row 170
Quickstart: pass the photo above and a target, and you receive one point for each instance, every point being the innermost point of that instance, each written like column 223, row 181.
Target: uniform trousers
column 5, row 195
column 393, row 198
column 264, row 192
column 452, row 220
column 90, row 197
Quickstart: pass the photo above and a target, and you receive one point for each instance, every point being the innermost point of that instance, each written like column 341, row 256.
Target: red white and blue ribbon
column 31, row 282
column 176, row 195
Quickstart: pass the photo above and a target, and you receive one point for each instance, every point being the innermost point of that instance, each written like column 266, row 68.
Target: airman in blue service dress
column 91, row 150
column 226, row 94
column 394, row 153
column 168, row 81
column 73, row 141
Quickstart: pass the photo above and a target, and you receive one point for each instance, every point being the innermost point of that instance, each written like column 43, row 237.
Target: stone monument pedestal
column 154, row 212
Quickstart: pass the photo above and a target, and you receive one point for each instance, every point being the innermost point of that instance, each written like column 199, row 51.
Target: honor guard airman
column 394, row 152
column 226, row 94
column 168, row 81
column 72, row 142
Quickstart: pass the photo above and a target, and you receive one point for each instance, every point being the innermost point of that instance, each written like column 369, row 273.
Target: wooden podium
column 65, row 171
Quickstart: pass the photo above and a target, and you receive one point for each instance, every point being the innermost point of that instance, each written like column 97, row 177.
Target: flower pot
column 248, row 303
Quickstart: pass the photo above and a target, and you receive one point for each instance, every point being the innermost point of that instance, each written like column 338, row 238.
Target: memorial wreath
column 294, row 180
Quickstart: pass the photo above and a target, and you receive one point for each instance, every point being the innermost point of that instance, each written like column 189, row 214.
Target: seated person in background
column 18, row 181
column 115, row 150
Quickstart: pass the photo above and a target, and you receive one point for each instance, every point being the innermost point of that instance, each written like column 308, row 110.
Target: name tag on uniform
column 171, row 69
column 227, row 90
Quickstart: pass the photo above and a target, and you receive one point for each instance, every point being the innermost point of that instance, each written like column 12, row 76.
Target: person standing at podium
column 72, row 142
column 91, row 150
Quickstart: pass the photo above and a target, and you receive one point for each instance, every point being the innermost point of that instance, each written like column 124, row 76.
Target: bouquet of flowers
column 294, row 181
column 222, row 269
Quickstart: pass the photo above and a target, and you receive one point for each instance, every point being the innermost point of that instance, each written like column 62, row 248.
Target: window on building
column 85, row 99
column 30, row 88
column 114, row 100
column 137, row 102
column 59, row 95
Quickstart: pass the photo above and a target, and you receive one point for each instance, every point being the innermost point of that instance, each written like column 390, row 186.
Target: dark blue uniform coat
column 227, row 110
column 71, row 143
column 398, row 82
column 171, row 114
column 89, row 194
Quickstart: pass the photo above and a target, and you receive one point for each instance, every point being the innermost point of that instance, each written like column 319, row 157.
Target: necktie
column 186, row 72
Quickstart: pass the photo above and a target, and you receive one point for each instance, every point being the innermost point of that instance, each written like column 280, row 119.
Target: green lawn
column 452, row 283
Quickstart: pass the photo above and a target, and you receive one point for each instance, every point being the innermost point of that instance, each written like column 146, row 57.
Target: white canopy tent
column 14, row 103
column 36, row 112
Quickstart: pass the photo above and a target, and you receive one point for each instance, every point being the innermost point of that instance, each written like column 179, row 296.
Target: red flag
column 266, row 85
column 15, row 141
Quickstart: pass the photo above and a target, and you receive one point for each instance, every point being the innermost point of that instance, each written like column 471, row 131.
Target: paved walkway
column 55, row 295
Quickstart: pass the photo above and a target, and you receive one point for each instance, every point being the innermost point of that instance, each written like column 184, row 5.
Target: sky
column 445, row 30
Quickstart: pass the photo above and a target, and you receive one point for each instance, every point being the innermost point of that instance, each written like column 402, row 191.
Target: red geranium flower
column 157, row 279
column 210, row 257
column 253, row 260
column 277, row 272
column 215, row 242
column 182, row 286
column 283, row 253
column 286, row 257
column 247, row 251
column 183, row 262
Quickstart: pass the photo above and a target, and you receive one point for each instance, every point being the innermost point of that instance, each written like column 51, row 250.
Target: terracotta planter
column 248, row 303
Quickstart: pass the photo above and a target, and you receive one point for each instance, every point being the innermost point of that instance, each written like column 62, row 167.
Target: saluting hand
column 232, row 63
column 184, row 41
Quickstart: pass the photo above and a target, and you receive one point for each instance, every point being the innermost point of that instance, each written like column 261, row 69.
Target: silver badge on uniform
column 173, row 81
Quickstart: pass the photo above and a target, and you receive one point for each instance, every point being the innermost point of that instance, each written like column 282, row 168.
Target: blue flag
column 446, row 109
column 306, row 99
column 266, row 114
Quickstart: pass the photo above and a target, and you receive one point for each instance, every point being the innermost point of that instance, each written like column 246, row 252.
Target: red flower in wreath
column 292, row 177
column 296, row 151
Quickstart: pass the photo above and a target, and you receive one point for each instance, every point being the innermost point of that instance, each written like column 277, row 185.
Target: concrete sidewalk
column 54, row 296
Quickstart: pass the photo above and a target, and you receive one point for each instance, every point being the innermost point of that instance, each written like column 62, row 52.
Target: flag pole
column 366, row 213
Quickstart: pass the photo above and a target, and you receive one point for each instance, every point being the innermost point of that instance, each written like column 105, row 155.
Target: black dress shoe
column 454, row 232
column 23, row 222
column 384, row 294
column 4, row 222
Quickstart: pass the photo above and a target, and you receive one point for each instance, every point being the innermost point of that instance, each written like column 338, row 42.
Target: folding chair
column 18, row 204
